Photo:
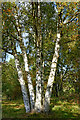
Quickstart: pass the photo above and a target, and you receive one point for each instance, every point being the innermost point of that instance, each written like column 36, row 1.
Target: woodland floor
column 60, row 109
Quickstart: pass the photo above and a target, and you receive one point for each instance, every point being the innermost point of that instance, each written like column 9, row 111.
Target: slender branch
column 64, row 18
column 6, row 50
column 15, row 38
column 69, row 41
column 71, row 19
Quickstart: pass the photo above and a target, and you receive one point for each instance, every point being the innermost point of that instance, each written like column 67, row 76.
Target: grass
column 59, row 109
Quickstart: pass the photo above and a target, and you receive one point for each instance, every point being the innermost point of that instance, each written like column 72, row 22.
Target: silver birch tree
column 52, row 74
column 60, row 23
column 22, row 84
column 24, row 54
column 38, row 60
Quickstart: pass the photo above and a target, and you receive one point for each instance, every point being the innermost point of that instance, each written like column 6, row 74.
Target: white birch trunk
column 38, row 63
column 42, row 84
column 30, row 85
column 52, row 74
column 38, row 83
column 22, row 83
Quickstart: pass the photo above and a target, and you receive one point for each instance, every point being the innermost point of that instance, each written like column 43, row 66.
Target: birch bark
column 22, row 83
column 38, row 84
column 52, row 74
column 38, row 61
column 30, row 85
column 42, row 75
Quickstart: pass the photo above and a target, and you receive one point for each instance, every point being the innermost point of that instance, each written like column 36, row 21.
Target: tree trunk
column 22, row 83
column 38, row 83
column 61, row 82
column 30, row 85
column 42, row 83
column 52, row 74
column 38, row 60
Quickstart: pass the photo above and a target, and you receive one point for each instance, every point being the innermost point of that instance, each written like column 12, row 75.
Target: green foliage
column 10, row 87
